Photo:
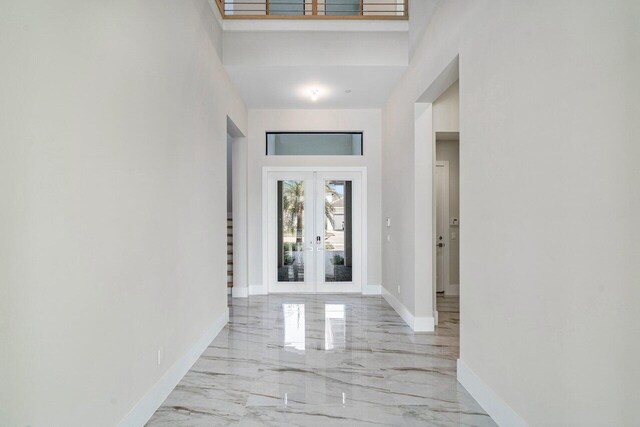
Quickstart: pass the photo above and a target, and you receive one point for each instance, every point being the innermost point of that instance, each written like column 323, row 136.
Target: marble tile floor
column 331, row 360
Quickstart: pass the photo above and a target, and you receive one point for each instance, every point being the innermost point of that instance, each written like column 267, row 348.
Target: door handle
column 440, row 245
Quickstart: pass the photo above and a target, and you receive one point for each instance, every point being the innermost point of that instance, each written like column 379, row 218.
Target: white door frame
column 446, row 251
column 265, row 216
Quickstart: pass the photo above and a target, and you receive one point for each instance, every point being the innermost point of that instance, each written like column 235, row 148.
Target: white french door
column 314, row 231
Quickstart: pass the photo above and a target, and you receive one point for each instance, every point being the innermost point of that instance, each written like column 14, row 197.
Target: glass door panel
column 338, row 232
column 291, row 241
column 338, row 248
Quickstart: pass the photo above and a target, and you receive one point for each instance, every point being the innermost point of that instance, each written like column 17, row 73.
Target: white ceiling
column 291, row 86
column 278, row 67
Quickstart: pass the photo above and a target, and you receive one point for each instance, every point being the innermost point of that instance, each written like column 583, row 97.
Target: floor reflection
column 335, row 327
column 294, row 326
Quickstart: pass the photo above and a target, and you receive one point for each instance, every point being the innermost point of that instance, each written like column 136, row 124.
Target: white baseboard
column 497, row 408
column 240, row 292
column 424, row 324
column 262, row 290
column 257, row 290
column 150, row 402
column 418, row 324
column 371, row 290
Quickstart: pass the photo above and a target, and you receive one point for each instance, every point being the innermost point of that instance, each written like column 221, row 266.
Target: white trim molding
column 424, row 324
column 497, row 408
column 150, row 402
column 417, row 324
column 240, row 292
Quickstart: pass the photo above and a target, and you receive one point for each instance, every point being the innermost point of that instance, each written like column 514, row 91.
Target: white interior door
column 314, row 237
column 442, row 226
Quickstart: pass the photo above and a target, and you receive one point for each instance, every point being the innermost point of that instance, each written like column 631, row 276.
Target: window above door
column 314, row 144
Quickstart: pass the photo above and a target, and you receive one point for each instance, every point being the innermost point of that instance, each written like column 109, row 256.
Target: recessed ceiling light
column 314, row 95
column 347, row 91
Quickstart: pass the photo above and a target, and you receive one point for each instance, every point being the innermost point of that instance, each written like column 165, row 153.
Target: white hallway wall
column 446, row 110
column 261, row 121
column 112, row 173
column 549, row 173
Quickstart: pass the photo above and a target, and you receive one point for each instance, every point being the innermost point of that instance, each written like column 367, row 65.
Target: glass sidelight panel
column 291, row 194
column 338, row 247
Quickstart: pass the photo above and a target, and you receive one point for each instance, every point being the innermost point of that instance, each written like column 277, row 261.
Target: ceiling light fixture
column 314, row 95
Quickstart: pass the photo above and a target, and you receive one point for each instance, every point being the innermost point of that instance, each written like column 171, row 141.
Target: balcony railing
column 314, row 9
